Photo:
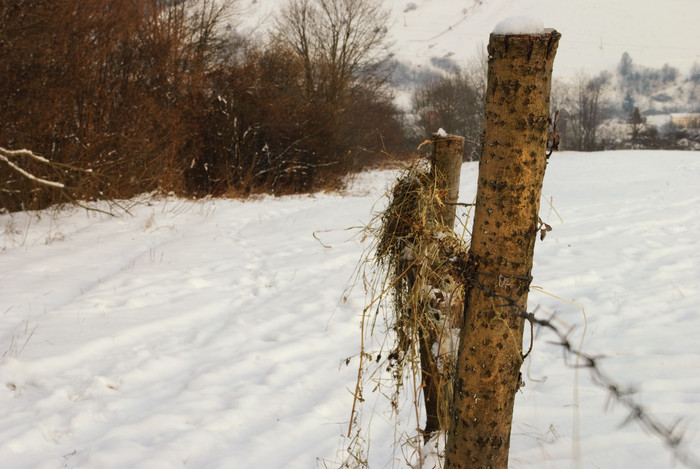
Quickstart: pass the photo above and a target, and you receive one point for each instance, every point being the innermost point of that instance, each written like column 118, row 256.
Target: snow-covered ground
column 213, row 334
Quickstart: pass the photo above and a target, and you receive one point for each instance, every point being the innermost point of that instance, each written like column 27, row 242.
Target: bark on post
column 446, row 166
column 511, row 170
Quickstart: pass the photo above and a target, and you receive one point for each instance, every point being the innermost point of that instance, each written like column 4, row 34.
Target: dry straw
column 417, row 291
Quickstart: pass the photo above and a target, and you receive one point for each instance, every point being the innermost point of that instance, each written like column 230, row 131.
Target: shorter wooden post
column 446, row 164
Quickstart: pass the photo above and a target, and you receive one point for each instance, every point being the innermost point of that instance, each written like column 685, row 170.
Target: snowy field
column 212, row 334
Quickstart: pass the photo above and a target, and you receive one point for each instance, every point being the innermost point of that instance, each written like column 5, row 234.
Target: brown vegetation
column 455, row 103
column 149, row 96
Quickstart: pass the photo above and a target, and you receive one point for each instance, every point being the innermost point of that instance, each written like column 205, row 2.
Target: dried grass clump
column 414, row 274
column 421, row 258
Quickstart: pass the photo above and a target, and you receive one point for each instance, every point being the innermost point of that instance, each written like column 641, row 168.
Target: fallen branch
column 5, row 155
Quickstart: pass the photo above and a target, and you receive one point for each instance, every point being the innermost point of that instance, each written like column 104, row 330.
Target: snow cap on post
column 519, row 25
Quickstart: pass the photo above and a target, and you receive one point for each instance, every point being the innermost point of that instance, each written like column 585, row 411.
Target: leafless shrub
column 111, row 86
column 583, row 109
column 151, row 95
column 451, row 102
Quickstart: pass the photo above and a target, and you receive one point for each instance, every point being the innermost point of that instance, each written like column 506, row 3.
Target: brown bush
column 453, row 102
column 106, row 85
column 265, row 132
column 145, row 95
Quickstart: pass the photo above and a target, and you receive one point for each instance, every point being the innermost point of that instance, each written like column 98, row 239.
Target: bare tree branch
column 6, row 154
column 338, row 42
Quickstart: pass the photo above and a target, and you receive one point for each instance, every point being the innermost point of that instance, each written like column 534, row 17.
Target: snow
column 441, row 132
column 213, row 334
column 519, row 25
column 595, row 33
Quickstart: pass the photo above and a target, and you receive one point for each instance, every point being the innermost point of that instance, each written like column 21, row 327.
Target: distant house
column 686, row 120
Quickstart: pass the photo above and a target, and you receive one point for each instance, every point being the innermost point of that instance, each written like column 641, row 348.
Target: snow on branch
column 6, row 154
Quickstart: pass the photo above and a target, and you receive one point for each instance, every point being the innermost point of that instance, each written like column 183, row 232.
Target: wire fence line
column 671, row 435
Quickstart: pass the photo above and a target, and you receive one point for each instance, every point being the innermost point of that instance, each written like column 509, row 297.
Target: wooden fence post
column 511, row 170
column 445, row 167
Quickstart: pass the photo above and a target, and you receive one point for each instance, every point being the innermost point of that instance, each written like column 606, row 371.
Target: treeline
column 616, row 110
column 132, row 96
column 122, row 97
column 622, row 109
column 448, row 96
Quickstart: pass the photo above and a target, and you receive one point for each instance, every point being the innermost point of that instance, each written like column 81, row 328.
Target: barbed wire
column 672, row 435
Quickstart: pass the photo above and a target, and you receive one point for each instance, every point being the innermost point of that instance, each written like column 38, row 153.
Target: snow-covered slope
column 595, row 33
column 213, row 334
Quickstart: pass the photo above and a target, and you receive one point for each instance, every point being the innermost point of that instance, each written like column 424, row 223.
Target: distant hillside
column 646, row 107
column 652, row 90
column 595, row 32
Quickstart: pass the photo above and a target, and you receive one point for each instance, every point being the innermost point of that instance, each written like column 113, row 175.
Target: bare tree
column 588, row 115
column 583, row 109
column 204, row 22
column 346, row 113
column 454, row 103
column 340, row 43
column 118, row 86
column 636, row 122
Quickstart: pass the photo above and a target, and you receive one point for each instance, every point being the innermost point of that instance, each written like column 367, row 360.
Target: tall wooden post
column 511, row 170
